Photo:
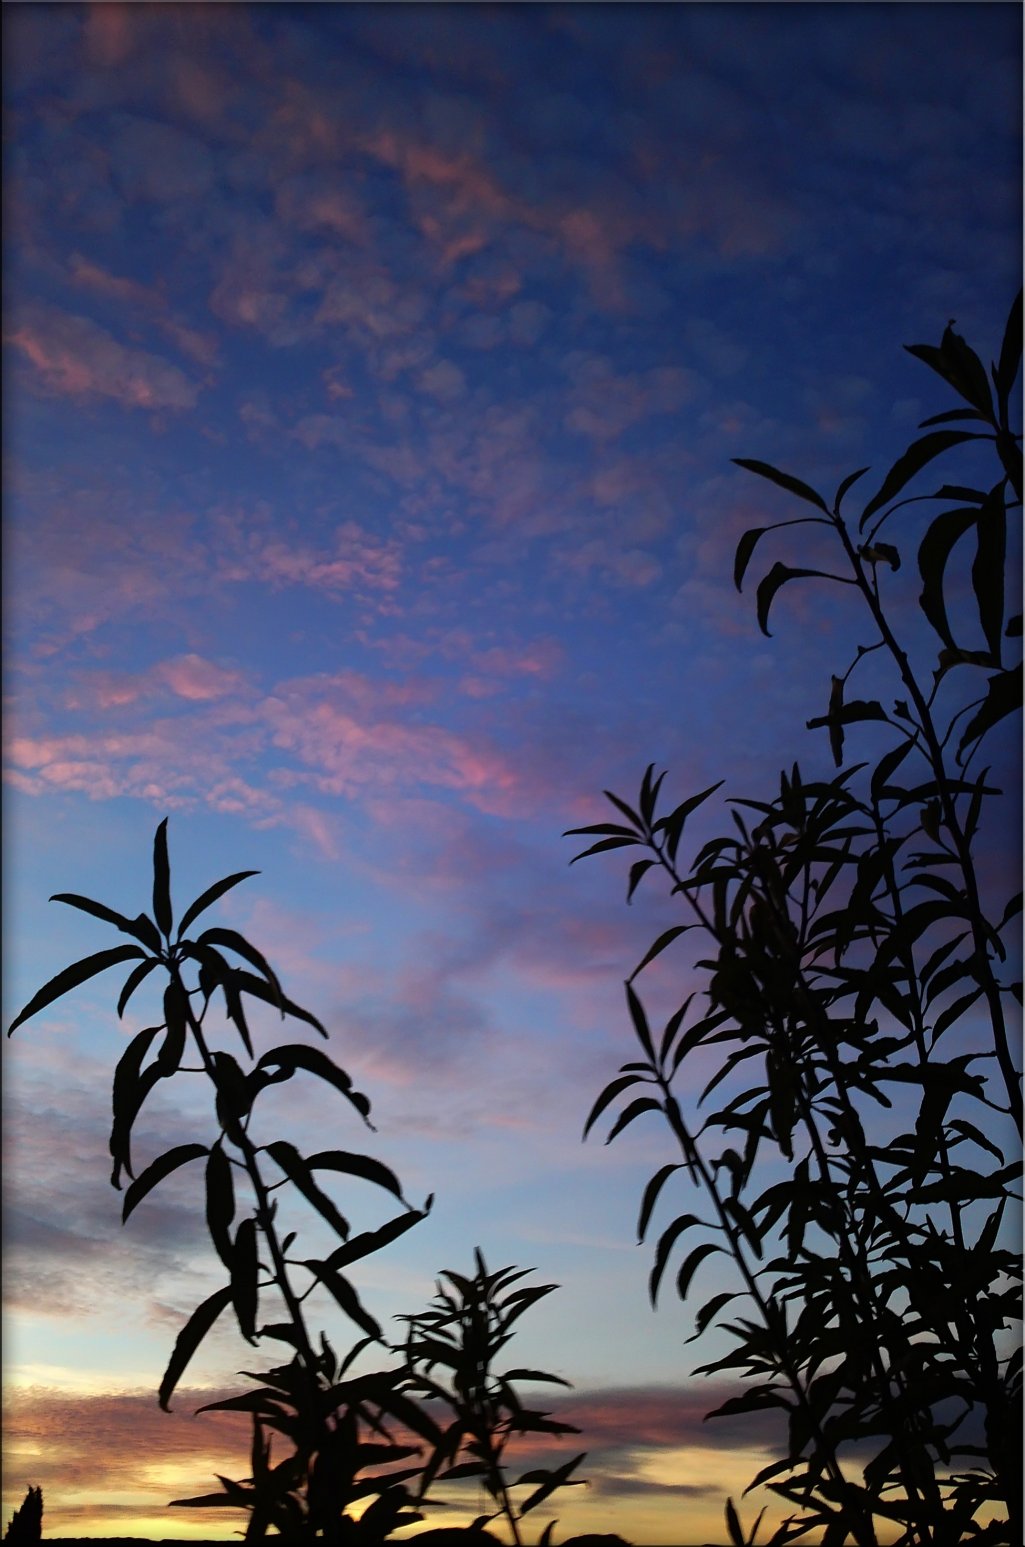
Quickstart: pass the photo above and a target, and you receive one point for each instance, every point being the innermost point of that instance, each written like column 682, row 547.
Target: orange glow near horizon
column 88, row 1449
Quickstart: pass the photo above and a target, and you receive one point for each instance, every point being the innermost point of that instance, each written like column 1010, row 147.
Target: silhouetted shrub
column 854, row 957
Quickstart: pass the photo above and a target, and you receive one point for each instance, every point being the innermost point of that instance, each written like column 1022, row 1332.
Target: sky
column 373, row 375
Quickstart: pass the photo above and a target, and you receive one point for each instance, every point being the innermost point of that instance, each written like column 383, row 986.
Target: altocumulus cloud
column 74, row 357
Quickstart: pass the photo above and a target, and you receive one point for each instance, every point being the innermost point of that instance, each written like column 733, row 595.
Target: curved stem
column 770, row 1314
column 988, row 983
column 265, row 1215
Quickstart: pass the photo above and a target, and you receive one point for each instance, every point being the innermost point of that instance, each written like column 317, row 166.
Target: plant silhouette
column 335, row 1425
column 26, row 1526
column 852, row 948
column 342, row 1439
column 459, row 1336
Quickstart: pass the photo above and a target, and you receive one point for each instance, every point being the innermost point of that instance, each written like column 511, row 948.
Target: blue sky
column 374, row 374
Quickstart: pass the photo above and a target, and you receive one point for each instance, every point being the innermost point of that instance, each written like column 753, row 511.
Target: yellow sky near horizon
column 56, row 1438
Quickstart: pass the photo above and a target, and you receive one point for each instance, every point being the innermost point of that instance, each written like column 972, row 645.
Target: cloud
column 349, row 752
column 631, row 568
column 355, row 560
column 115, row 287
column 603, row 404
column 443, row 380
column 199, row 346
column 123, row 1446
column 88, row 1451
column 313, row 201
column 190, row 677
column 158, row 162
column 74, row 357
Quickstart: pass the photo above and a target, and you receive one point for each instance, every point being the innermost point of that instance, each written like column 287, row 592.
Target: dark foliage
column 26, row 1527
column 450, row 1351
column 856, row 1019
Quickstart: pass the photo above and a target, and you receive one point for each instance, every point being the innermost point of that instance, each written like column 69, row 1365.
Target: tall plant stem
column 265, row 1212
column 980, row 940
column 854, row 1260
column 771, row 1316
column 502, row 1493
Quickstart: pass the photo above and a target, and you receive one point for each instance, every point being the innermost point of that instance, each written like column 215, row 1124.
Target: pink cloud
column 127, row 291
column 190, row 676
column 108, row 34
column 148, row 300
column 443, row 380
column 491, row 666
column 74, row 357
column 628, row 567
column 160, row 762
column 311, row 202
column 469, row 185
column 347, row 752
column 603, row 405
column 356, row 560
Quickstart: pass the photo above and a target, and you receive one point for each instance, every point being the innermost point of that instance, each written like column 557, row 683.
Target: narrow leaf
column 535, row 1375
column 638, row 869
column 611, row 1091
column 887, row 767
column 635, row 1109
column 220, row 1203
column 173, row 1048
column 71, row 977
column 918, row 454
column 778, row 576
column 1003, row 697
column 296, row 1055
column 604, row 846
column 640, row 1022
column 988, row 570
column 135, row 977
column 559, row 1477
column 603, row 829
column 162, row 881
column 189, row 1339
column 209, row 897
column 847, row 483
column 356, row 1165
column 667, row 1241
column 937, row 544
column 346, row 1297
column 745, row 548
column 784, row 480
column 130, row 1089
column 663, row 940
column 141, row 927
column 163, row 1166
column 369, row 1241
column 244, row 1278
column 1006, row 368
column 951, row 415
column 233, row 941
column 691, row 1265
column 248, row 983
column 295, row 1168
column 651, row 1193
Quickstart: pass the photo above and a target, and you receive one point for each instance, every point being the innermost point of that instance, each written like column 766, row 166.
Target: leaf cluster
column 450, row 1351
